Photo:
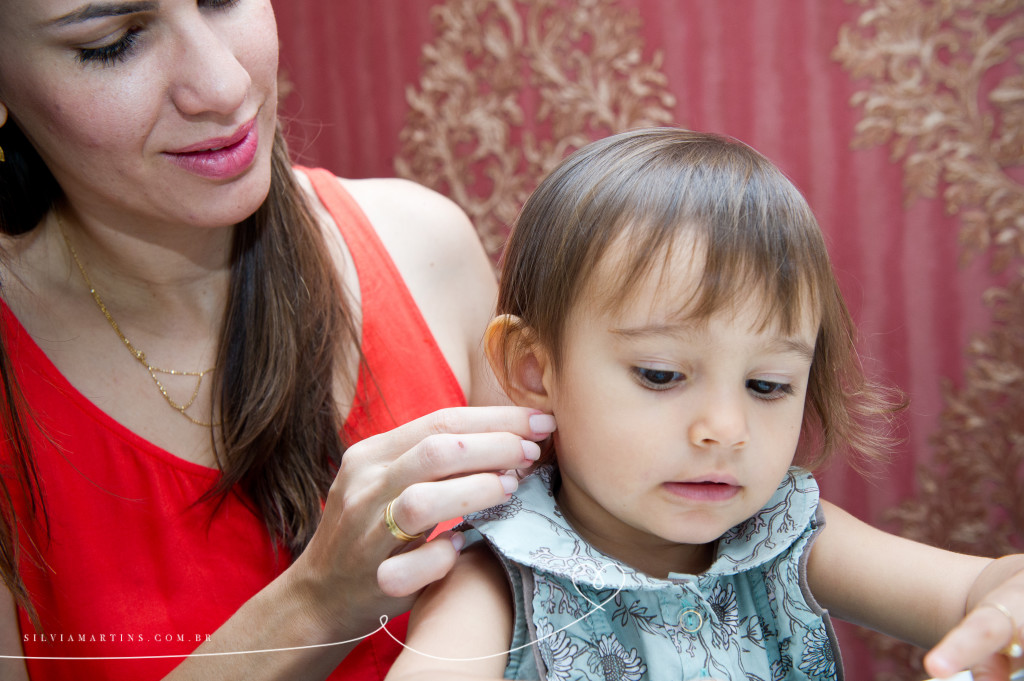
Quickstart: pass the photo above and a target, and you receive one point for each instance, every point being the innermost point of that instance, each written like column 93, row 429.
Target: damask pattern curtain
column 902, row 121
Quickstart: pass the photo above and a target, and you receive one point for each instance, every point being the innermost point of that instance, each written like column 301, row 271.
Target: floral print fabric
column 750, row 616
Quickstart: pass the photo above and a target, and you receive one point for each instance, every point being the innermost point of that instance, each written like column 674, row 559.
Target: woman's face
column 161, row 110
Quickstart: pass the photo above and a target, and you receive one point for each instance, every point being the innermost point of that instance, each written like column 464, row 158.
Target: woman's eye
column 657, row 379
column 115, row 52
column 769, row 390
column 122, row 48
column 218, row 4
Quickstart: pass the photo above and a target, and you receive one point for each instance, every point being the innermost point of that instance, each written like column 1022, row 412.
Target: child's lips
column 720, row 488
column 712, row 478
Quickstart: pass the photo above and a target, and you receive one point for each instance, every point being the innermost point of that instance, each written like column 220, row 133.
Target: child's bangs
column 736, row 265
column 781, row 286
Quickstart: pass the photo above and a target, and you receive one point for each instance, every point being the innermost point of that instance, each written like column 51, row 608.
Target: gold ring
column 396, row 531
column 1013, row 649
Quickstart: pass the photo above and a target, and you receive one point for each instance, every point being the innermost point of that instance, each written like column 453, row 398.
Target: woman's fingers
column 423, row 453
column 447, row 445
column 423, row 505
column 406, row 573
column 438, row 467
column 439, row 457
column 521, row 422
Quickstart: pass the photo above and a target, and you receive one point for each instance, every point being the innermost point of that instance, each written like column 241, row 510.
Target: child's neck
column 655, row 558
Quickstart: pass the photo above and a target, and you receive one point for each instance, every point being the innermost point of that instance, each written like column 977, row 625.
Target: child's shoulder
column 479, row 563
column 461, row 623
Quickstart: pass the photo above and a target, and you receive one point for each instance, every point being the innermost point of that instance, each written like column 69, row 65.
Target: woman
column 191, row 322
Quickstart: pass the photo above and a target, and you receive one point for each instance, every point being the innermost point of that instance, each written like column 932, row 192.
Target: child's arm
column 985, row 625
column 466, row 615
column 917, row 593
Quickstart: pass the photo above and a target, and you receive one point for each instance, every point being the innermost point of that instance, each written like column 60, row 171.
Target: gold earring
column 2, row 158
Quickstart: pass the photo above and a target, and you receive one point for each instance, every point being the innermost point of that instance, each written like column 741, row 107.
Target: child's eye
column 769, row 390
column 657, row 379
column 115, row 52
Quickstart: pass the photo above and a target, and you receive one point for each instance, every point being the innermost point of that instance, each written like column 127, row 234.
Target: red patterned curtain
column 902, row 121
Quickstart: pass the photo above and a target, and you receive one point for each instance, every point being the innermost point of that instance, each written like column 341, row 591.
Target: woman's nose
column 209, row 76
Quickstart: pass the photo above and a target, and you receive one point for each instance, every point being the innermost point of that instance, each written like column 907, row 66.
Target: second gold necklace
column 139, row 355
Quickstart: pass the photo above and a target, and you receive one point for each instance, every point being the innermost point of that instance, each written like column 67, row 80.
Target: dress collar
column 542, row 539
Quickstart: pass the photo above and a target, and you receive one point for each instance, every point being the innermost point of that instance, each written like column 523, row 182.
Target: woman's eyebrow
column 100, row 10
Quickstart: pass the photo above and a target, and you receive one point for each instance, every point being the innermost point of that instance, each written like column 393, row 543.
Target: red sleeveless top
column 133, row 567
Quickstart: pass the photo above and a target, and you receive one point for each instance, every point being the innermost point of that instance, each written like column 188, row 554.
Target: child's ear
column 522, row 366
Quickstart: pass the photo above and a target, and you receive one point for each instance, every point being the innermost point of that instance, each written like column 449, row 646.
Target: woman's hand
column 989, row 636
column 441, row 466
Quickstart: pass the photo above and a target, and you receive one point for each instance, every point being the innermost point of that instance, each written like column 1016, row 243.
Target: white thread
column 597, row 606
column 383, row 627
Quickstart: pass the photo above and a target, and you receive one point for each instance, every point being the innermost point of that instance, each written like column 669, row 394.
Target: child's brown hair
column 644, row 189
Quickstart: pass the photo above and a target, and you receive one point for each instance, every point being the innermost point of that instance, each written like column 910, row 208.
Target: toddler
column 668, row 297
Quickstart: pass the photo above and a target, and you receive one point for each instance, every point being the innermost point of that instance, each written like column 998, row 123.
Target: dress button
column 691, row 620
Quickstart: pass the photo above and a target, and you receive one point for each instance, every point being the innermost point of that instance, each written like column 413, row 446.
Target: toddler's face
column 671, row 431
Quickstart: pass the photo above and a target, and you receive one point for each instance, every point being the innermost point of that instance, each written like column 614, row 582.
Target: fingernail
column 939, row 667
column 458, row 541
column 531, row 450
column 509, row 483
column 542, row 423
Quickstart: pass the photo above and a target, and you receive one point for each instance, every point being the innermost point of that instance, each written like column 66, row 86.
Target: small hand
column 988, row 641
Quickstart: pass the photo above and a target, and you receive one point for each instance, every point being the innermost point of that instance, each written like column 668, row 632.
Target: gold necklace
column 154, row 371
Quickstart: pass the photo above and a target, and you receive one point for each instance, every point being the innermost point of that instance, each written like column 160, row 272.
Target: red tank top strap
column 405, row 375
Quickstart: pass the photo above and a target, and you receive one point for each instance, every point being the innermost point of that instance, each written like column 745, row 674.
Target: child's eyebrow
column 794, row 346
column 787, row 345
column 671, row 330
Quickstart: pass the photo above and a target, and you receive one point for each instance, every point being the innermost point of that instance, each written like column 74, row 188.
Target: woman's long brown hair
column 286, row 328
column 285, row 321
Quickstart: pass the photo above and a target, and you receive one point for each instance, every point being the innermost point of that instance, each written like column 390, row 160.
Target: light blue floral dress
column 750, row 617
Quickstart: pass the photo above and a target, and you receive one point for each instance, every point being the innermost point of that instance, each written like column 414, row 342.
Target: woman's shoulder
column 440, row 257
column 419, row 227
column 416, row 223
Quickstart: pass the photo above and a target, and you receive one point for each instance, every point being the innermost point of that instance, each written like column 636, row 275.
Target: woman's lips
column 703, row 490
column 219, row 158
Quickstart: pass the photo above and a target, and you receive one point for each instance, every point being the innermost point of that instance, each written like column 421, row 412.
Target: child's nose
column 721, row 421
